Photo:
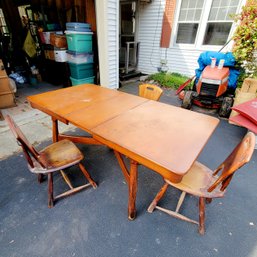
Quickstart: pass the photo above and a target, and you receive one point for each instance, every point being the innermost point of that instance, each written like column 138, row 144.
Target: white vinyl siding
column 113, row 43
column 149, row 34
column 150, row 53
column 107, row 14
column 180, row 58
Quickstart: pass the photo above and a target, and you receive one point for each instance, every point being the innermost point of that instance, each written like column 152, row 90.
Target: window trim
column 201, row 29
column 2, row 26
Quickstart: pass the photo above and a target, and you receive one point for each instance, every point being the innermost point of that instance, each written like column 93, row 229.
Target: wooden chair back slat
column 150, row 91
column 27, row 147
column 239, row 156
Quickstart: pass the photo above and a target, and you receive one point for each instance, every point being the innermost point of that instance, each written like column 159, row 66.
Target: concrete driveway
column 94, row 223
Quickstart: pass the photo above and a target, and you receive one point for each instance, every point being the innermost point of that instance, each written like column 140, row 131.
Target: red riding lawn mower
column 211, row 89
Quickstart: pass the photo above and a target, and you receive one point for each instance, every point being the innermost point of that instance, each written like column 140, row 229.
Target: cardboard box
column 3, row 73
column 249, row 86
column 7, row 99
column 5, row 85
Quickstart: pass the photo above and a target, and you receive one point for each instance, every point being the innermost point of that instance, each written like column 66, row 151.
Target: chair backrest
column 150, row 91
column 239, row 156
column 27, row 147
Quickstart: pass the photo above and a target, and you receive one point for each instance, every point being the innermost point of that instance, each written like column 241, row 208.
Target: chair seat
column 56, row 156
column 197, row 181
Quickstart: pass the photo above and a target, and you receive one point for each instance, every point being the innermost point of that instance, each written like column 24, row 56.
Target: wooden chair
column 150, row 91
column 55, row 157
column 204, row 183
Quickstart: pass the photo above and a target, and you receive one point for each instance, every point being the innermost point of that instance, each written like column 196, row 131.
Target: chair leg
column 40, row 178
column 180, row 201
column 208, row 200
column 201, row 215
column 72, row 189
column 87, row 175
column 50, row 191
column 158, row 197
column 66, row 179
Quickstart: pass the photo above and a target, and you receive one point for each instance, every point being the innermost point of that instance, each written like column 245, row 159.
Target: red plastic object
column 216, row 77
column 211, row 106
column 248, row 109
column 245, row 122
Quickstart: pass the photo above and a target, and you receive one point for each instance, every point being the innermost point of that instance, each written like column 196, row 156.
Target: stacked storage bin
column 54, row 45
column 79, row 54
column 58, row 40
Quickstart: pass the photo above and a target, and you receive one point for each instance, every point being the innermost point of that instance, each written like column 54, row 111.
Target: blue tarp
column 205, row 59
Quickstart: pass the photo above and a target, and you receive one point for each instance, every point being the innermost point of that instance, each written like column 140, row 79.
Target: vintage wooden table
column 162, row 137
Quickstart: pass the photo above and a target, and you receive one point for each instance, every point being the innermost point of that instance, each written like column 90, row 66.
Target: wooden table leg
column 132, row 190
column 122, row 166
column 55, row 130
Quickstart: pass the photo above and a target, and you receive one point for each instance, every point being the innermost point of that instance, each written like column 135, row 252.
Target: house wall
column 150, row 17
column 179, row 59
column 107, row 16
column 150, row 20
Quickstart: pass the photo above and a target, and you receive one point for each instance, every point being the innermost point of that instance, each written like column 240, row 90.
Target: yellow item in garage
column 29, row 45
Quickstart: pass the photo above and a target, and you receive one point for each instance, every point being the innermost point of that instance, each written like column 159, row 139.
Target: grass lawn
column 172, row 80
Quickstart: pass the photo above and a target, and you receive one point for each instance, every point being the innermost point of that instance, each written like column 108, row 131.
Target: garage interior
column 17, row 18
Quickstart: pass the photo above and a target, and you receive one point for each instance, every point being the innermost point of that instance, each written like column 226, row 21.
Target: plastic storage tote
column 76, row 82
column 79, row 41
column 78, row 58
column 78, row 26
column 81, row 71
column 60, row 55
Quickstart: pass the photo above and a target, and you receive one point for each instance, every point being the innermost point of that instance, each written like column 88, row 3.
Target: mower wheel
column 225, row 108
column 187, row 101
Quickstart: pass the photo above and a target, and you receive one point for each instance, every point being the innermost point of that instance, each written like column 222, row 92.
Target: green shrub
column 172, row 80
column 245, row 39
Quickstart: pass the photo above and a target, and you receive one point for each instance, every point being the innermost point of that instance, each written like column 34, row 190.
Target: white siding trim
column 107, row 14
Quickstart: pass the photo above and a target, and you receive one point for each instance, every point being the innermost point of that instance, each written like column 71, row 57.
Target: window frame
column 201, row 28
column 2, row 26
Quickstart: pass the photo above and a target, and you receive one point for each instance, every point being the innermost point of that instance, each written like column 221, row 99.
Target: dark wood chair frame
column 213, row 186
column 38, row 162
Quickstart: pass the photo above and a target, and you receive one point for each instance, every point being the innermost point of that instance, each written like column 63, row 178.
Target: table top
column 63, row 101
column 89, row 105
column 162, row 137
column 99, row 112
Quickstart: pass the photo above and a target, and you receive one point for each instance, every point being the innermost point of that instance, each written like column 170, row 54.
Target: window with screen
column 188, row 22
column 205, row 22
column 220, row 21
